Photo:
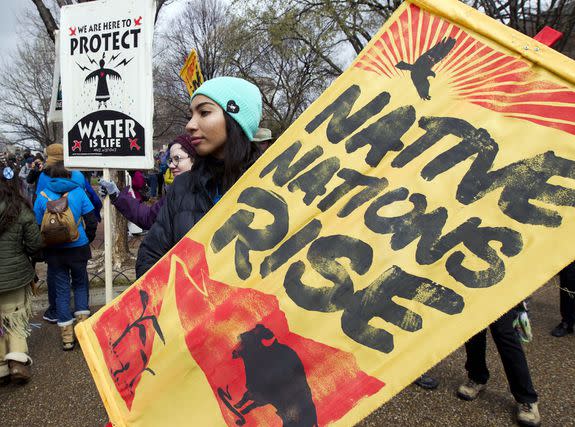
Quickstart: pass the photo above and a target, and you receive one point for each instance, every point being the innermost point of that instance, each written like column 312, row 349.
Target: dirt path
column 62, row 392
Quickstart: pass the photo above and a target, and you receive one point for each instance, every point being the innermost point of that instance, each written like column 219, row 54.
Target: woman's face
column 207, row 127
column 179, row 161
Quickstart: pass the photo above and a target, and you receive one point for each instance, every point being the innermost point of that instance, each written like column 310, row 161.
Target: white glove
column 108, row 188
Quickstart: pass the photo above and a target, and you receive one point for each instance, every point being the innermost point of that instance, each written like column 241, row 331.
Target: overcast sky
column 9, row 10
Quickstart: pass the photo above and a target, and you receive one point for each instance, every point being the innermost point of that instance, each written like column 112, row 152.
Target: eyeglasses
column 176, row 159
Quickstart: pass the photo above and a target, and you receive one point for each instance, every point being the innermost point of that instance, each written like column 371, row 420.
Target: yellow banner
column 424, row 194
column 191, row 73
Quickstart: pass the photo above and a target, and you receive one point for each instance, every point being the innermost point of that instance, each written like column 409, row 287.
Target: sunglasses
column 176, row 159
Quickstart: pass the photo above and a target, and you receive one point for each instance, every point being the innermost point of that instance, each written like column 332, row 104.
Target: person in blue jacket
column 67, row 262
column 38, row 176
column 40, row 179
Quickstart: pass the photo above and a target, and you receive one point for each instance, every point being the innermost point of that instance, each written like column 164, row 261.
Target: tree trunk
column 47, row 17
column 120, row 249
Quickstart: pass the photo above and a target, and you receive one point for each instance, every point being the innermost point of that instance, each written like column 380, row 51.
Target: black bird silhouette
column 421, row 69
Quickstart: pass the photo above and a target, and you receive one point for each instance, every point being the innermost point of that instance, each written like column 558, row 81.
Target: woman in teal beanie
column 225, row 115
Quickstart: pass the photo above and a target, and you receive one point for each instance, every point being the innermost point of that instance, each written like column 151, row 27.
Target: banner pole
column 108, row 243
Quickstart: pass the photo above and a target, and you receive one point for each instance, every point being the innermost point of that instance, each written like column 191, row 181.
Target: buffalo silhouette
column 274, row 376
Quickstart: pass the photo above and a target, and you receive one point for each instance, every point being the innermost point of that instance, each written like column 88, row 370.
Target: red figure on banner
column 77, row 145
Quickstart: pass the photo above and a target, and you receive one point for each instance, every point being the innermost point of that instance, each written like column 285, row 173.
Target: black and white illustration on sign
column 101, row 74
column 107, row 73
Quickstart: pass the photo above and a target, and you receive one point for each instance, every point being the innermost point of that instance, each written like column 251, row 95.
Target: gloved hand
column 108, row 188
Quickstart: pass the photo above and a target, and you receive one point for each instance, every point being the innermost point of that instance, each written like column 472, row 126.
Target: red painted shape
column 134, row 144
column 497, row 81
column 124, row 361
column 390, row 53
column 534, row 97
column 565, row 127
column 548, row 36
column 564, row 113
column 214, row 322
column 500, row 62
column 425, row 19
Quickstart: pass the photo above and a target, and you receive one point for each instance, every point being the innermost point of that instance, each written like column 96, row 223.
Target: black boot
column 426, row 382
column 561, row 330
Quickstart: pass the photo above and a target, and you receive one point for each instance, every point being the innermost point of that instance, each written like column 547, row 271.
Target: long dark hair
column 13, row 202
column 57, row 170
column 239, row 154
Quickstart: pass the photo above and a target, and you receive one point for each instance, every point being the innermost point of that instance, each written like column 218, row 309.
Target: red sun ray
column 509, row 98
column 565, row 127
column 493, row 60
column 454, row 33
column 413, row 31
column 477, row 73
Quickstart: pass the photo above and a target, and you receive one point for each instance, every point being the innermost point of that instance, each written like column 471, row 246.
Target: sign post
column 108, row 279
column 106, row 72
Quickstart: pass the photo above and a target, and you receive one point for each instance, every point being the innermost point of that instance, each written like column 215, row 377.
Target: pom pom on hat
column 239, row 98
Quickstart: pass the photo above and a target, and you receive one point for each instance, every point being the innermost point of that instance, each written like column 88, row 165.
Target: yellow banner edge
column 527, row 47
column 82, row 333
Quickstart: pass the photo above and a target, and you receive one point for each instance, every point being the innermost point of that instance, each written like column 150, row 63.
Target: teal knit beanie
column 239, row 98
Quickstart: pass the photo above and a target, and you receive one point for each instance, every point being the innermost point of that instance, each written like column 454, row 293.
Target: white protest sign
column 55, row 113
column 106, row 69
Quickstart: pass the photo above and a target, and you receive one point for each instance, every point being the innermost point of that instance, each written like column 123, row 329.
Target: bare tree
column 205, row 25
column 208, row 27
column 289, row 75
column 26, row 89
column 530, row 16
column 328, row 27
column 49, row 11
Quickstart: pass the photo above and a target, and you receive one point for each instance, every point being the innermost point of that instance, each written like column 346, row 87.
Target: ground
column 62, row 393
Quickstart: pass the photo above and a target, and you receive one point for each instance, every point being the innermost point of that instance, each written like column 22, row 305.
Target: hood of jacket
column 61, row 185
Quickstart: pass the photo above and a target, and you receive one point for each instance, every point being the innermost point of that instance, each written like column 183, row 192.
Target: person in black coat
column 226, row 112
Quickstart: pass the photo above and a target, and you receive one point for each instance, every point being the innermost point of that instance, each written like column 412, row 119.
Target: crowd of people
column 50, row 214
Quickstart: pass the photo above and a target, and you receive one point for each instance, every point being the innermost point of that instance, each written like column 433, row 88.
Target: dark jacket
column 17, row 243
column 33, row 176
column 188, row 199
column 139, row 213
column 96, row 202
